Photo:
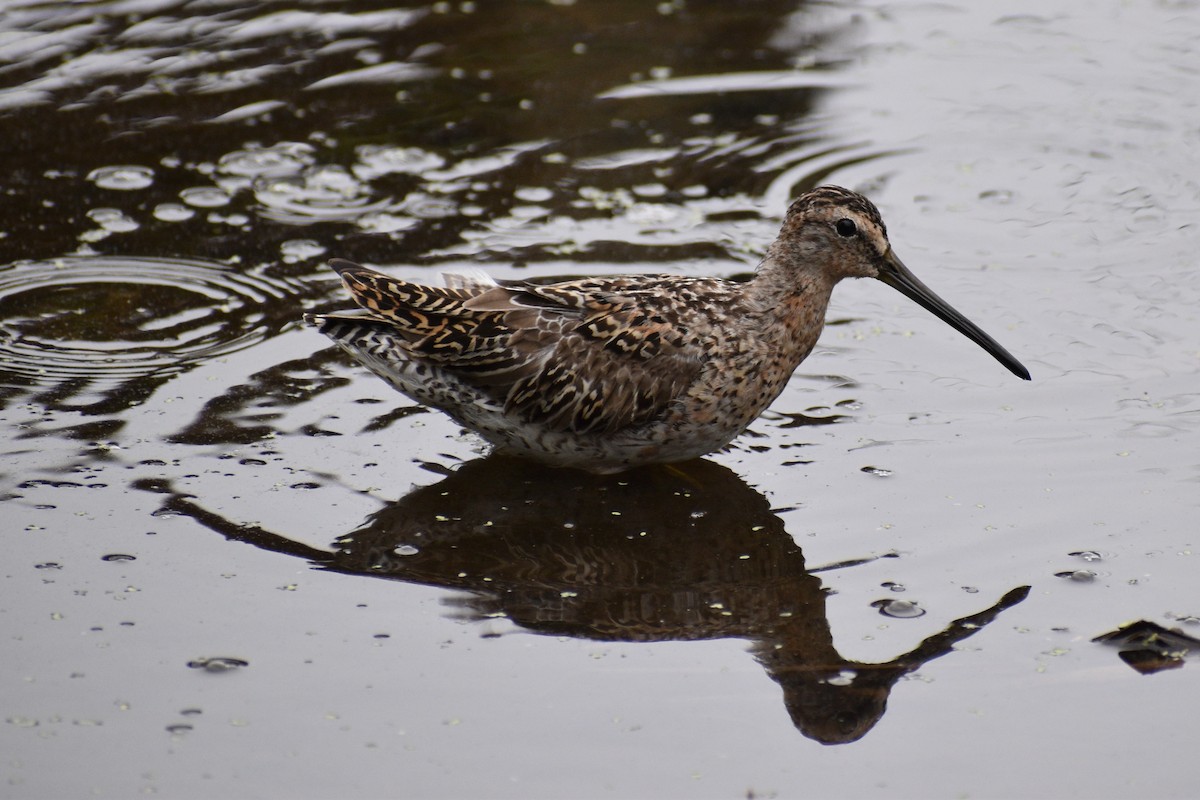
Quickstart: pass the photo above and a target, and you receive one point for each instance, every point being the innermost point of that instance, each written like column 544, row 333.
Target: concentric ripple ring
column 116, row 318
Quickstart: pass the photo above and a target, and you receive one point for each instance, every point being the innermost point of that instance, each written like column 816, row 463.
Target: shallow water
column 238, row 564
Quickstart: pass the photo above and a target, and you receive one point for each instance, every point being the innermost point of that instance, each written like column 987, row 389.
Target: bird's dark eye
column 846, row 227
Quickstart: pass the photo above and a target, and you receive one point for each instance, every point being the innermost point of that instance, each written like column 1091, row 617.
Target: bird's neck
column 792, row 302
column 783, row 281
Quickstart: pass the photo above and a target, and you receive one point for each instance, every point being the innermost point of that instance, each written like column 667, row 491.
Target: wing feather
column 587, row 356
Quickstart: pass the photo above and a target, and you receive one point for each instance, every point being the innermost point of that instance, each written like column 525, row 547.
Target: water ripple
column 113, row 319
column 329, row 192
column 160, row 55
column 282, row 158
column 769, row 80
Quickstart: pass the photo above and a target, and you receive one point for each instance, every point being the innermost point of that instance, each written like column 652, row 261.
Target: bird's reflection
column 656, row 554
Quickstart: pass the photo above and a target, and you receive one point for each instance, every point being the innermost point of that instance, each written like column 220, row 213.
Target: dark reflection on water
column 657, row 554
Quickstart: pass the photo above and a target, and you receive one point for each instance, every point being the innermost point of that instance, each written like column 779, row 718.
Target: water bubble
column 118, row 557
column 424, row 206
column 172, row 212
column 533, row 194
column 179, row 728
column 406, row 550
column 48, row 565
column 1077, row 575
column 659, row 216
column 376, row 160
column 1087, row 555
column 327, row 193
column 650, row 190
column 877, row 471
column 236, row 220
column 900, row 609
column 295, row 250
column 112, row 220
column 525, row 213
column 218, row 664
column 283, row 158
column 122, row 178
column 332, row 180
column 893, row 586
column 385, row 223
column 205, row 196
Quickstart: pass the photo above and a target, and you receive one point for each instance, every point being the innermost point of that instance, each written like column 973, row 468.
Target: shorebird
column 608, row 373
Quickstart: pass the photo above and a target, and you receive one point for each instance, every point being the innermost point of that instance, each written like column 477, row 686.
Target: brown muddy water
column 237, row 565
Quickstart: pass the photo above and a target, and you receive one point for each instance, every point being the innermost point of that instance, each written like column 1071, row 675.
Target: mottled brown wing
column 434, row 322
column 594, row 355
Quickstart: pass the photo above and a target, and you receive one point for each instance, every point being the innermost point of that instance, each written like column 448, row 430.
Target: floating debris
column 1149, row 647
column 218, row 664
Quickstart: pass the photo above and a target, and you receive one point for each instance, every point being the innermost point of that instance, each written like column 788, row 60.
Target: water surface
column 238, row 564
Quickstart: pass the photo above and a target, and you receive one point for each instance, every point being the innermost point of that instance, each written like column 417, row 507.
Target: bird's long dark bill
column 896, row 275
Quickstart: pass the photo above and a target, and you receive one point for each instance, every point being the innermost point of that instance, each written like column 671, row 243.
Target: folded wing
column 580, row 356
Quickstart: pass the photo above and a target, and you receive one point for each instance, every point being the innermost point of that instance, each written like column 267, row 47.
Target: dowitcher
column 608, row 373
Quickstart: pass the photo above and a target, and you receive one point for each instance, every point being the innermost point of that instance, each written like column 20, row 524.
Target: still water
column 237, row 564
